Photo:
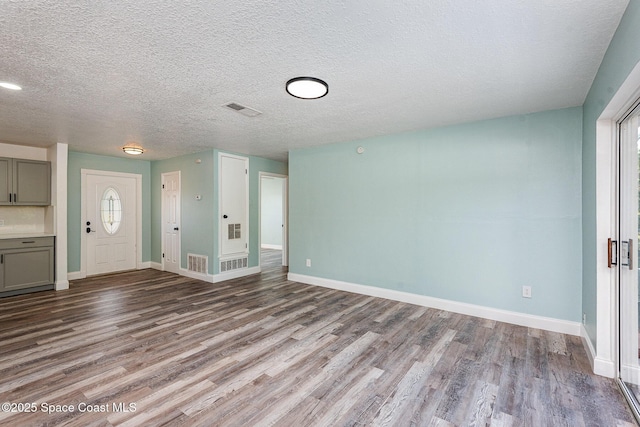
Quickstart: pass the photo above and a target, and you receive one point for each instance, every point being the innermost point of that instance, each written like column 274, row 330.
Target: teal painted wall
column 197, row 220
column 78, row 161
column 468, row 213
column 622, row 56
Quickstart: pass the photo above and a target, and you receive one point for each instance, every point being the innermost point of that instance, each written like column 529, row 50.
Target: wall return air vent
column 244, row 110
column 197, row 263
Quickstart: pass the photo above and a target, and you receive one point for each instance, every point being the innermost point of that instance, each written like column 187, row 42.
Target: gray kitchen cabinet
column 26, row 263
column 25, row 182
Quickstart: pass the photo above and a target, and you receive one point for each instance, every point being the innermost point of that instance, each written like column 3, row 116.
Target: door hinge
column 246, row 171
column 245, row 246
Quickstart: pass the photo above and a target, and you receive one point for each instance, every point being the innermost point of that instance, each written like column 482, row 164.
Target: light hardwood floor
column 262, row 351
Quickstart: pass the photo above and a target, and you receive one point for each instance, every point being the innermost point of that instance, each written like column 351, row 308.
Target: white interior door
column 171, row 221
column 233, row 205
column 629, row 345
column 110, row 220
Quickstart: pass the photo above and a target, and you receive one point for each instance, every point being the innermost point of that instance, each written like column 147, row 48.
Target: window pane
column 111, row 210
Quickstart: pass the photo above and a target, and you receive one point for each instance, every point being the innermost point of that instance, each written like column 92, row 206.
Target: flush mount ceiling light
column 307, row 88
column 133, row 150
column 11, row 86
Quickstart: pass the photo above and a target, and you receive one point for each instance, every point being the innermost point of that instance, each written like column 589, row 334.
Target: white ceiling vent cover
column 245, row 111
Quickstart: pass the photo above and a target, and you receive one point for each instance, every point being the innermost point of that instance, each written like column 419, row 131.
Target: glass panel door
column 629, row 345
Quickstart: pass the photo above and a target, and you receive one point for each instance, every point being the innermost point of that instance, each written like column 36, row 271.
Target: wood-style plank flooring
column 262, row 350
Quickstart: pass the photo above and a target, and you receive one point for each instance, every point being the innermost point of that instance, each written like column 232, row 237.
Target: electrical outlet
column 308, row 262
column 526, row 292
column 584, row 318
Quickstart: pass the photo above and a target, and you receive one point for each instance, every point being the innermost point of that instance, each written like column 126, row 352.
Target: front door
column 110, row 223
column 627, row 263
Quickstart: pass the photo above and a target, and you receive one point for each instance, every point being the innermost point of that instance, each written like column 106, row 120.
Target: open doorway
column 273, row 220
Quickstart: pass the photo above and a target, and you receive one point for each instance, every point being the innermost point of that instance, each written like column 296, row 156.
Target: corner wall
column 466, row 213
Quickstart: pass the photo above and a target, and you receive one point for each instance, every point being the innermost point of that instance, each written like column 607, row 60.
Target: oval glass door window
column 111, row 210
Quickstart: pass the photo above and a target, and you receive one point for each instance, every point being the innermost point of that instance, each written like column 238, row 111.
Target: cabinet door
column 32, row 182
column 26, row 268
column 6, row 177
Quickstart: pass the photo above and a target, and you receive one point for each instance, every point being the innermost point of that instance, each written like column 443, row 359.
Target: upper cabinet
column 25, row 182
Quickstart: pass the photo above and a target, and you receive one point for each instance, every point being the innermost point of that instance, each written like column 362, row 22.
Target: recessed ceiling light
column 11, row 86
column 133, row 150
column 307, row 88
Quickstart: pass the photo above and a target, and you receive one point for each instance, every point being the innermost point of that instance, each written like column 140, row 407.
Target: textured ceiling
column 98, row 74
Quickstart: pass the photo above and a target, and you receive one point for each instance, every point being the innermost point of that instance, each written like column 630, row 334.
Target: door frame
column 83, row 214
column 285, row 215
column 162, row 215
column 604, row 356
column 222, row 256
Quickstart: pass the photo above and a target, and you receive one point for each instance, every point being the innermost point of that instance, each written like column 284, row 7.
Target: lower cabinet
column 26, row 263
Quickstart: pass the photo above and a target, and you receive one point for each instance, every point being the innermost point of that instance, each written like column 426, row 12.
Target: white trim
column 75, row 275
column 221, row 277
column 586, row 343
column 605, row 362
column 56, row 223
column 522, row 319
column 61, row 285
column 83, row 212
column 156, row 265
column 600, row 366
column 192, row 274
column 145, row 264
column 268, row 246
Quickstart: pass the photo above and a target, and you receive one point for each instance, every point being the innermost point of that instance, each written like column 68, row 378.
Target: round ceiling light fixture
column 307, row 88
column 133, row 150
column 10, row 86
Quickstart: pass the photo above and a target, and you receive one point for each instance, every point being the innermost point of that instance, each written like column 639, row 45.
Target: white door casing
column 110, row 224
column 233, row 204
column 171, row 222
column 628, row 244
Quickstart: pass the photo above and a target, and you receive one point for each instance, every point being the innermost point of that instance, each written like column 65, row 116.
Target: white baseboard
column 521, row 319
column 156, row 265
column 220, row 277
column 144, row 264
column 599, row 366
column 61, row 285
column 268, row 246
column 192, row 274
column 76, row 275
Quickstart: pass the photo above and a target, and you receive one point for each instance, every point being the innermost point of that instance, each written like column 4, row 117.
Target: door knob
column 88, row 223
column 175, row 228
column 88, row 229
column 225, row 216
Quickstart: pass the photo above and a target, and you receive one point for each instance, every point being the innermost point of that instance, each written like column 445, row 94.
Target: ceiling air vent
column 245, row 111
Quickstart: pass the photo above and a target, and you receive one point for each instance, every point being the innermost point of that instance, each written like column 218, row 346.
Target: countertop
column 25, row 235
